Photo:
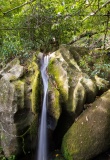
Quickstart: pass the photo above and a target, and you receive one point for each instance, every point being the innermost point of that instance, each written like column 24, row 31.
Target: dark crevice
column 64, row 123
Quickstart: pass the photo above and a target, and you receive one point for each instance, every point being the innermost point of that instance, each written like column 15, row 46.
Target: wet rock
column 18, row 119
column 90, row 134
column 54, row 108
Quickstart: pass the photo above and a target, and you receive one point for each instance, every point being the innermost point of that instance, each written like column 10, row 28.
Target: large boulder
column 18, row 116
column 11, row 97
column 90, row 134
column 74, row 86
column 12, row 71
column 58, row 73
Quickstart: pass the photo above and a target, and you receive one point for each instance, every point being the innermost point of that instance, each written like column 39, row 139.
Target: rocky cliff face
column 70, row 88
column 76, row 88
column 16, row 109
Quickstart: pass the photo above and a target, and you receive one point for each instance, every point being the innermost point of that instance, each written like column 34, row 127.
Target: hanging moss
column 34, row 78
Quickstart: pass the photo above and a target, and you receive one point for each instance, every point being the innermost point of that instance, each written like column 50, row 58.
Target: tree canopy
column 31, row 24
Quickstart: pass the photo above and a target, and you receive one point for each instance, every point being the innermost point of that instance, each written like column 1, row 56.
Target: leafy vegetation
column 96, row 62
column 2, row 157
column 44, row 25
column 32, row 24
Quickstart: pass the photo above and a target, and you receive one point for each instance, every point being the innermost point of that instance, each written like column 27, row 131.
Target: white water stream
column 42, row 144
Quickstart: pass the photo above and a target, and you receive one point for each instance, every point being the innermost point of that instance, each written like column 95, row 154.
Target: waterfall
column 42, row 144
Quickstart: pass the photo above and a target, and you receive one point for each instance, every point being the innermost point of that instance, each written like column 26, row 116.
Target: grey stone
column 90, row 134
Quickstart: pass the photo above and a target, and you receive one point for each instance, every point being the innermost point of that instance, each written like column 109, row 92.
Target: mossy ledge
column 34, row 79
column 59, row 78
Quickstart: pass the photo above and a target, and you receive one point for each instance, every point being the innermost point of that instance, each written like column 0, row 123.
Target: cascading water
column 42, row 145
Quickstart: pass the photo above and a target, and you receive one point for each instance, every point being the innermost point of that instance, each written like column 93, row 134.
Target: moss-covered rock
column 19, row 85
column 102, row 84
column 76, row 100
column 17, row 104
column 54, row 108
column 65, row 72
column 68, row 57
column 10, row 65
column 59, row 76
column 69, row 88
column 90, row 134
column 78, row 52
column 90, row 88
column 74, row 85
column 12, row 71
column 9, row 105
column 34, row 80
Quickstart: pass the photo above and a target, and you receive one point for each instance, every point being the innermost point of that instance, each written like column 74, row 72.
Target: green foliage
column 10, row 158
column 2, row 157
column 11, row 46
column 84, row 63
column 30, row 25
column 96, row 63
column 103, row 70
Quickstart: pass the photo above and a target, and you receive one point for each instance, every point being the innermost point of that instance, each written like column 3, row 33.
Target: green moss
column 34, row 59
column 76, row 99
column 86, row 137
column 12, row 77
column 71, row 147
column 34, row 95
column 19, row 86
column 34, row 76
column 54, row 104
column 55, row 71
